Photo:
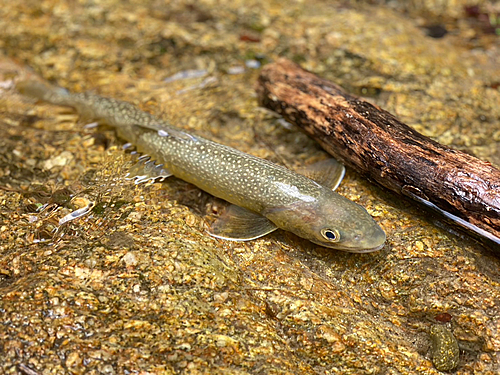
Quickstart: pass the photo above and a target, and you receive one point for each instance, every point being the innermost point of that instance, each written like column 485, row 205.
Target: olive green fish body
column 275, row 196
column 239, row 178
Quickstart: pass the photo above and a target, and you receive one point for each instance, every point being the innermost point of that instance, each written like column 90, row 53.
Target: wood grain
column 372, row 141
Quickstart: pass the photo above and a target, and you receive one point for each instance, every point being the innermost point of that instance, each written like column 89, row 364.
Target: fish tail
column 45, row 92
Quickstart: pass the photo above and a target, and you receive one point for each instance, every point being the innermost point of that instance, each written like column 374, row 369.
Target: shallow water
column 136, row 284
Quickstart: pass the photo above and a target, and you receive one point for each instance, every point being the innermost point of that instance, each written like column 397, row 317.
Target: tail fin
column 45, row 92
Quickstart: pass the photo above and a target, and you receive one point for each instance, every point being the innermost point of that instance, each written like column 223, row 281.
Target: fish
column 263, row 196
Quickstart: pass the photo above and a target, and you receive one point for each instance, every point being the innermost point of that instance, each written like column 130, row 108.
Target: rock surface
column 135, row 285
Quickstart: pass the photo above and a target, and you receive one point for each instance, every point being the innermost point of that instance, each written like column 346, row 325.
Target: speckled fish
column 264, row 195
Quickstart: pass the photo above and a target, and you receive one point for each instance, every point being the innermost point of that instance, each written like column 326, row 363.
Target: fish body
column 265, row 195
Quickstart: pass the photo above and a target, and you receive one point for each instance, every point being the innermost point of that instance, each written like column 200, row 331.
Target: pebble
column 130, row 259
column 445, row 351
column 252, row 64
column 236, row 70
column 58, row 161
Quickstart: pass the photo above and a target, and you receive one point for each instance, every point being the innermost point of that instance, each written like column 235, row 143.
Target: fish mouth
column 377, row 237
column 357, row 250
column 370, row 250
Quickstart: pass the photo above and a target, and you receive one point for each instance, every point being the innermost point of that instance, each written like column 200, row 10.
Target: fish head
column 331, row 221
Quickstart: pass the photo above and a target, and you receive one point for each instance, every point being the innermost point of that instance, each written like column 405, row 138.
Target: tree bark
column 373, row 142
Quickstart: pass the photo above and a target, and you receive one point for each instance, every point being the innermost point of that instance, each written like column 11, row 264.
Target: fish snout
column 373, row 240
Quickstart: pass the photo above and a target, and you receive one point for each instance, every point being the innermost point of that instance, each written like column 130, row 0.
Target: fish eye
column 330, row 234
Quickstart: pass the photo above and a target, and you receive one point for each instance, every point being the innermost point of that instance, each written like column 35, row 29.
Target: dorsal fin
column 328, row 172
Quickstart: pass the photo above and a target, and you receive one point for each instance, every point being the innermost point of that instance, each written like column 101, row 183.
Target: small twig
column 27, row 370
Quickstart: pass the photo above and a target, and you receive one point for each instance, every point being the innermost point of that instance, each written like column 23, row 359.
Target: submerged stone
column 445, row 351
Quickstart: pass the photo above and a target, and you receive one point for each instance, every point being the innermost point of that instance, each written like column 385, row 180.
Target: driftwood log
column 379, row 146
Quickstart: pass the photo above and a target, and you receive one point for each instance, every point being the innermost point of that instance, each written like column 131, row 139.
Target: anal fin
column 147, row 170
column 327, row 172
column 240, row 224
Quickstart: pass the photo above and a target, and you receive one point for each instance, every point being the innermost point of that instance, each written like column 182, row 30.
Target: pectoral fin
column 327, row 172
column 240, row 224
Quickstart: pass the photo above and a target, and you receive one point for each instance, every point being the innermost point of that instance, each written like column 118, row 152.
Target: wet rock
column 137, row 286
column 445, row 351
